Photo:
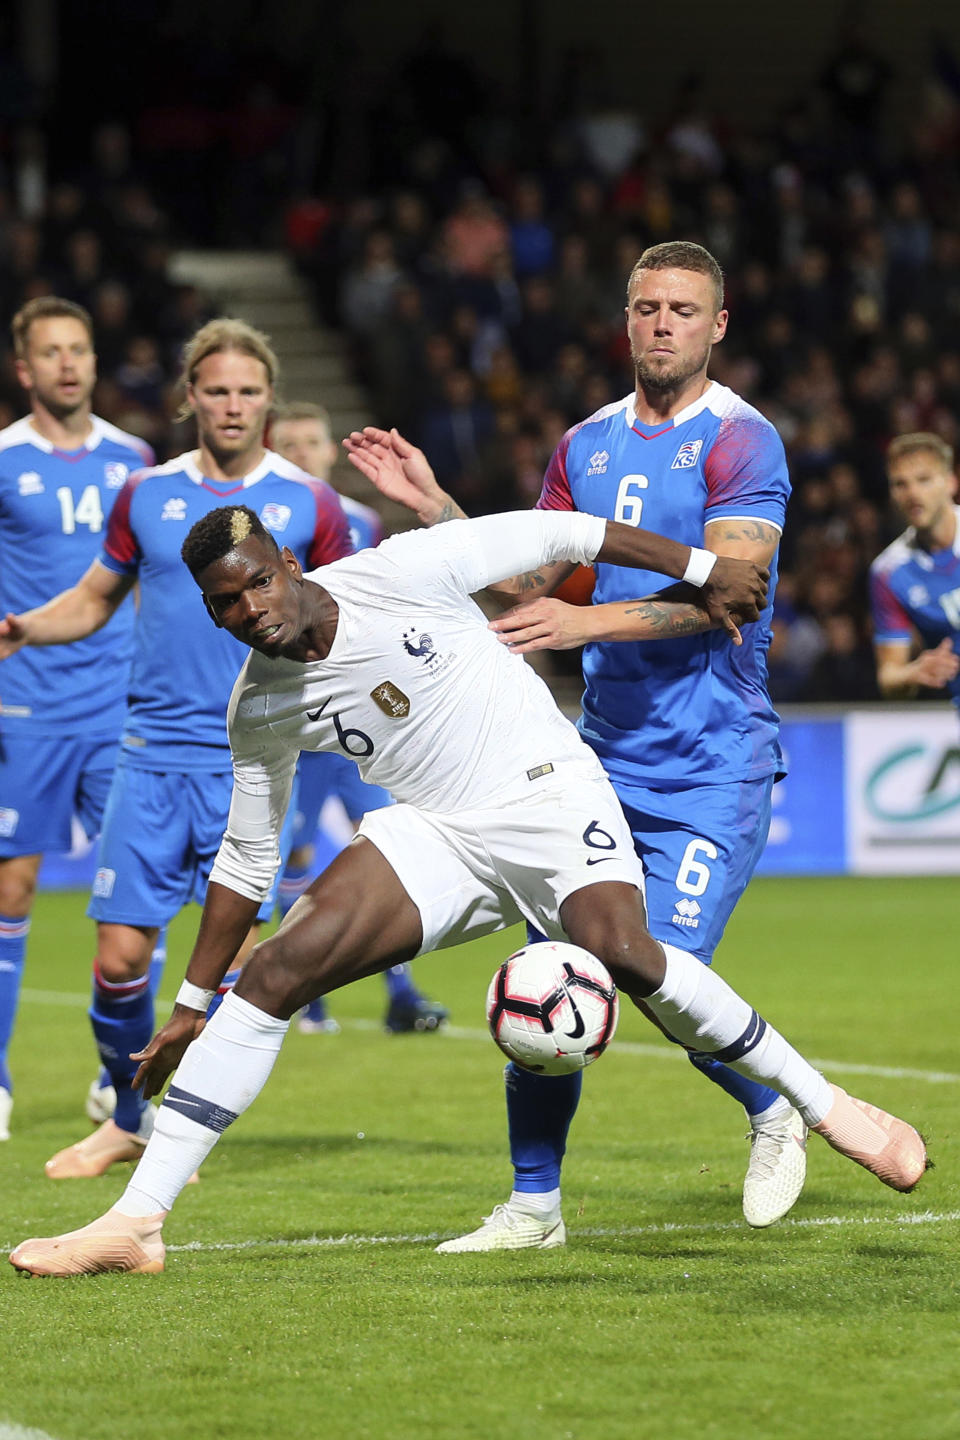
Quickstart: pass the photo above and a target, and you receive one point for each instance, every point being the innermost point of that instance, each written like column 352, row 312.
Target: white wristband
column 699, row 566
column 193, row 997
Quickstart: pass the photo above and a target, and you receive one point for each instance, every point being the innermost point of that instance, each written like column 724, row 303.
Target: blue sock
column 539, row 1111
column 400, row 986
column 13, row 949
column 157, row 961
column 226, row 985
column 122, row 1020
column 753, row 1096
column 316, row 1010
column 294, row 881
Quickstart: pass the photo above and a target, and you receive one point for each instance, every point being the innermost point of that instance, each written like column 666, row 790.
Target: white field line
column 619, row 1232
column 625, row 1047
column 9, row 1431
column 590, row 1232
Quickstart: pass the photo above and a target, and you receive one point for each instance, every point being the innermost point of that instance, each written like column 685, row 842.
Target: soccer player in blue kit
column 61, row 712
column 915, row 582
column 300, row 432
column 684, row 726
column 170, row 793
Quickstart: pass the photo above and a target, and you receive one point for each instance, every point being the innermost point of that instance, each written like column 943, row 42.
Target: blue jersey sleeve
column 746, row 470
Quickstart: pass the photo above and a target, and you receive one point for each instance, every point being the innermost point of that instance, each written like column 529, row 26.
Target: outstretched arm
column 546, row 624
column 71, row 615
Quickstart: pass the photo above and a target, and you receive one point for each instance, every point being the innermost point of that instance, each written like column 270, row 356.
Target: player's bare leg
column 334, row 937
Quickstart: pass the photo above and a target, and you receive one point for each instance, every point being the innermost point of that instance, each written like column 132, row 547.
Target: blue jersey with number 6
column 54, row 508
column 693, row 710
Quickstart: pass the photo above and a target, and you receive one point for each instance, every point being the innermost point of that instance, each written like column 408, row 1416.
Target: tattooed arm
column 545, row 624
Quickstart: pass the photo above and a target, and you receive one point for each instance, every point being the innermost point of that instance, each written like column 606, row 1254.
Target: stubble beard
column 662, row 379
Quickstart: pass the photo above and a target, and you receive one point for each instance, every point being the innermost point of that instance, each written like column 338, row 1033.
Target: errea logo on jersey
column 599, row 461
column 276, row 517
column 175, row 509
column 686, row 913
column 687, row 456
column 115, row 473
column 29, row 483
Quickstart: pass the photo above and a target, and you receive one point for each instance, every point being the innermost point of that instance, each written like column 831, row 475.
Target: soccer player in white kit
column 503, row 813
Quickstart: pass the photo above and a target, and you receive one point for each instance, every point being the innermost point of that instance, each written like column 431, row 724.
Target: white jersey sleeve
column 263, row 771
column 478, row 553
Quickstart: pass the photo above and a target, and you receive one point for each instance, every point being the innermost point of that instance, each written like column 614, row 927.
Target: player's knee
column 273, row 978
column 18, row 886
column 123, row 953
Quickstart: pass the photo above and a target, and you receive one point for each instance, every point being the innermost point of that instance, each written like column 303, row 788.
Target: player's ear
column 292, row 563
column 211, row 612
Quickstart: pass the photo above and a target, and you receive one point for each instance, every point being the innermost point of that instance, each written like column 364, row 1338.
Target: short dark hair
column 45, row 307
column 217, row 533
column 680, row 255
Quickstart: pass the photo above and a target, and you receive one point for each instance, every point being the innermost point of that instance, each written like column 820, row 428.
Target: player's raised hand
column 543, row 624
column 398, row 469
column 13, row 635
column 735, row 594
column 165, row 1051
column 936, row 668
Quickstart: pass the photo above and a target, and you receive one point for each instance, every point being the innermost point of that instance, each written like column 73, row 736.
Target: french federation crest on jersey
column 599, row 461
column 276, row 517
column 175, row 509
column 688, row 455
column 391, row 700
column 114, row 474
column 421, row 647
column 29, row 483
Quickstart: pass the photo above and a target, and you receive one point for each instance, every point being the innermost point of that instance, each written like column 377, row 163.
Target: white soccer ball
column 552, row 1007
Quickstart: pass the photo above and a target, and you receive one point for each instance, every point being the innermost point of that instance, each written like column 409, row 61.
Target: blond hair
column 218, row 337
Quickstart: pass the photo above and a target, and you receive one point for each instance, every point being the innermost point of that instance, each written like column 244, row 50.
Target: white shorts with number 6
column 477, row 871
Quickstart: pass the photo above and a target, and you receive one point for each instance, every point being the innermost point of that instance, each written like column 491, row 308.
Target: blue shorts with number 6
column 699, row 848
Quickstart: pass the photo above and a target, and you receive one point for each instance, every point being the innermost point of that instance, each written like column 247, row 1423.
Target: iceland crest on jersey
column 276, row 517
column 687, row 456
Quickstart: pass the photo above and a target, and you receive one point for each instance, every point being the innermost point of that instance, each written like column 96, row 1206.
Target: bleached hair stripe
column 240, row 527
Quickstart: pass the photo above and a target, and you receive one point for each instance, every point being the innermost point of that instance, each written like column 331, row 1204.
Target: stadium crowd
column 477, row 255
column 97, row 236
column 485, row 306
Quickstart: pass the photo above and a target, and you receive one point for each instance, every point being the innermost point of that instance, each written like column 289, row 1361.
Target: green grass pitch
column 302, row 1296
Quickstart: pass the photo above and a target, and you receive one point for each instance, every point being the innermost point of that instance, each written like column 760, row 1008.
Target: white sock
column 700, row 1010
column 220, row 1075
column 542, row 1203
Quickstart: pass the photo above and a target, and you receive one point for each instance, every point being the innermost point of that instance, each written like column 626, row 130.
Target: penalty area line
column 662, row 1051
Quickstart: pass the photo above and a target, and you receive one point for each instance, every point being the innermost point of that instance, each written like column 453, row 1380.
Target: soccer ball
column 552, row 1008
